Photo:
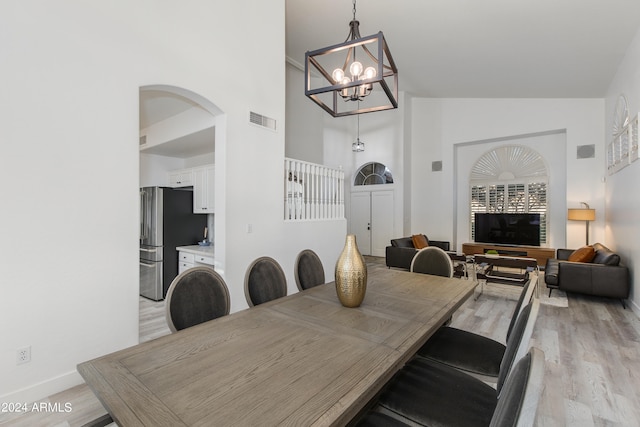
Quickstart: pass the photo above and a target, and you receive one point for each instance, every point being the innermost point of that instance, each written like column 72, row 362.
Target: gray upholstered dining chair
column 429, row 393
column 264, row 281
column 102, row 421
column 478, row 355
column 196, row 295
column 308, row 270
column 432, row 260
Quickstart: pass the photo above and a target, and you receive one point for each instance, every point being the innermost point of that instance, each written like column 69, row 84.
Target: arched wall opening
column 181, row 129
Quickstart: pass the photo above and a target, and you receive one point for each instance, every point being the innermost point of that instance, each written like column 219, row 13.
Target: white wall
column 440, row 124
column 70, row 82
column 622, row 201
column 428, row 187
column 304, row 121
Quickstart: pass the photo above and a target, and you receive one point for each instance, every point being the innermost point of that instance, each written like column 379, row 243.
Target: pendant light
column 358, row 145
column 360, row 66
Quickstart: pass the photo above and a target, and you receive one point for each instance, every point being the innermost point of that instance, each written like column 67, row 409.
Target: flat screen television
column 508, row 228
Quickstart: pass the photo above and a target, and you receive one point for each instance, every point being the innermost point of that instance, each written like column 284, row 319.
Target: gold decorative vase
column 351, row 274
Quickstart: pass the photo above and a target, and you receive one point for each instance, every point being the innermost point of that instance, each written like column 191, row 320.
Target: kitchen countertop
column 197, row 250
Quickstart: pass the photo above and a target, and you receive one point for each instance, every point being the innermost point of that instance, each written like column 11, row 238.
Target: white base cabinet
column 187, row 260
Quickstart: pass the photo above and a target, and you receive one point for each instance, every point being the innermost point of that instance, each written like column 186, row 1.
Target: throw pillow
column 584, row 254
column 419, row 241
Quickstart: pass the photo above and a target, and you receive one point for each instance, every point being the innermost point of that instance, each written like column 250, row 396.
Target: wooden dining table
column 301, row 360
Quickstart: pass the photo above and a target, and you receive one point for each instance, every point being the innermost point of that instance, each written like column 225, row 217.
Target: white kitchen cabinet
column 203, row 189
column 187, row 260
column 203, row 261
column 181, row 178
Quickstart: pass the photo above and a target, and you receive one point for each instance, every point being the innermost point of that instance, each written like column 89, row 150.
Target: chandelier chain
column 354, row 10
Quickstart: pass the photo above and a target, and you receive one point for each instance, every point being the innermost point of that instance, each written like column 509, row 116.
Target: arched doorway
column 182, row 130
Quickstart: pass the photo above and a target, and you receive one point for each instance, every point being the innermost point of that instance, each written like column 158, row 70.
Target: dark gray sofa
column 402, row 251
column 604, row 276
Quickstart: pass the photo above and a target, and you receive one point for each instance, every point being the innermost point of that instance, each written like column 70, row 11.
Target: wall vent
column 586, row 151
column 436, row 166
column 143, row 139
column 263, row 121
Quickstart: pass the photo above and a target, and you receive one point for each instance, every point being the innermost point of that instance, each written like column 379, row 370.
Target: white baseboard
column 42, row 390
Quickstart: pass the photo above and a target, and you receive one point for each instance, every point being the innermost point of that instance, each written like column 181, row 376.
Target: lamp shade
column 581, row 214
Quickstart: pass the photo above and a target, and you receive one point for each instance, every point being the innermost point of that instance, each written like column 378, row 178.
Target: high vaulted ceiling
column 481, row 48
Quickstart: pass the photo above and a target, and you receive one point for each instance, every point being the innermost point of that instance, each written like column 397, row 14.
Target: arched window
column 373, row 173
column 510, row 179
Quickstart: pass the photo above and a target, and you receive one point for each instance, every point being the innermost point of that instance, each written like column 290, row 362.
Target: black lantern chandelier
column 360, row 65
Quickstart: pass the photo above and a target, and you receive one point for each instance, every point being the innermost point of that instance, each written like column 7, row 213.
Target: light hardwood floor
column 592, row 351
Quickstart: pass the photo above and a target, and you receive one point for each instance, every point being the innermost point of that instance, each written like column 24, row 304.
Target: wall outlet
column 23, row 355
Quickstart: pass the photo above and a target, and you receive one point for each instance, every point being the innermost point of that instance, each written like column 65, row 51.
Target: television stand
column 539, row 253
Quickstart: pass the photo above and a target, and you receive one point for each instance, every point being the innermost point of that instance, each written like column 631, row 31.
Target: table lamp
column 584, row 214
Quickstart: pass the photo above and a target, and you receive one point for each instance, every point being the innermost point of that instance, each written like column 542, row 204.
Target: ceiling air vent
column 143, row 139
column 263, row 121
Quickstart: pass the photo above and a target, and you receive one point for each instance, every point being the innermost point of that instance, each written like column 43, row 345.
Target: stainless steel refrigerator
column 166, row 221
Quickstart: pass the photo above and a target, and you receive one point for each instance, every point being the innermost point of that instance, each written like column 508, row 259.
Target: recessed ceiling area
column 157, row 106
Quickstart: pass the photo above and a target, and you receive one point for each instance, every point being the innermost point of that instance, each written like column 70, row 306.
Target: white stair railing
column 312, row 191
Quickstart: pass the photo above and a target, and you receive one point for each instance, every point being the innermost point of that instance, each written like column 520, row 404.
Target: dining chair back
column 520, row 396
column 264, row 281
column 196, row 295
column 101, row 421
column 427, row 393
column 518, row 342
column 481, row 356
column 432, row 260
column 525, row 298
column 308, row 270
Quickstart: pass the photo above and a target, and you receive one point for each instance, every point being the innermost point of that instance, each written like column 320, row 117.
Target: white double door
column 371, row 220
